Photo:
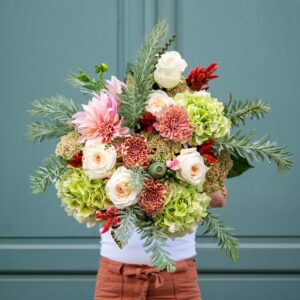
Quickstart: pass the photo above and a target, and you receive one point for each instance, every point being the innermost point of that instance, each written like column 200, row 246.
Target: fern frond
column 52, row 168
column 56, row 108
column 38, row 131
column 261, row 149
column 226, row 239
column 154, row 243
column 140, row 81
column 237, row 111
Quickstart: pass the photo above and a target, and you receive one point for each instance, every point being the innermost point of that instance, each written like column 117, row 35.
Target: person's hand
column 218, row 198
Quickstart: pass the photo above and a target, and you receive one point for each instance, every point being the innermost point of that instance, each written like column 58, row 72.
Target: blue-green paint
column 43, row 253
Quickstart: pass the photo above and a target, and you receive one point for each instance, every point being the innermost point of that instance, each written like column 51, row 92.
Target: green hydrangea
column 185, row 207
column 81, row 196
column 68, row 145
column 205, row 114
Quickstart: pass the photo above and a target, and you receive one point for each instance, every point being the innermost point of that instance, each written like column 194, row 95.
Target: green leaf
column 46, row 174
column 226, row 239
column 127, row 224
column 154, row 244
column 86, row 84
column 140, row 80
column 238, row 111
column 57, row 108
column 38, row 131
column 261, row 149
column 240, row 165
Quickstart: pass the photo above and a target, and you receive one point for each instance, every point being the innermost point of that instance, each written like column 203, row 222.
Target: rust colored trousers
column 117, row 280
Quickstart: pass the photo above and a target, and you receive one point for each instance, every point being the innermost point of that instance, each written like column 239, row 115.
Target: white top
column 134, row 253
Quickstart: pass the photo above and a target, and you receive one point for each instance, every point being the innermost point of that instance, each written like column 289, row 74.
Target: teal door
column 46, row 255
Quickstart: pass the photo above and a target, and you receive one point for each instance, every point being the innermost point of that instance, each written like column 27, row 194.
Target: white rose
column 157, row 101
column 168, row 69
column 119, row 189
column 98, row 161
column 192, row 167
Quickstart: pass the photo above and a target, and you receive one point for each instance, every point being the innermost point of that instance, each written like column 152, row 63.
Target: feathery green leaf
column 126, row 228
column 140, row 81
column 52, row 168
column 154, row 243
column 237, row 111
column 138, row 177
column 38, row 131
column 226, row 239
column 261, row 149
column 56, row 108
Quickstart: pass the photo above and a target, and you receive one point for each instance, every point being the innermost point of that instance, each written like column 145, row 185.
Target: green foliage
column 87, row 85
column 56, row 108
column 165, row 47
column 52, row 168
column 237, row 111
column 38, row 131
column 128, row 221
column 240, row 165
column 261, row 149
column 140, row 79
column 56, row 111
column 154, row 243
column 226, row 239
column 137, row 179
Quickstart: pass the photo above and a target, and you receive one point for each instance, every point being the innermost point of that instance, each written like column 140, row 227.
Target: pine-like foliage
column 261, row 149
column 237, row 111
column 165, row 47
column 56, row 108
column 154, row 243
column 127, row 223
column 39, row 131
column 226, row 239
column 56, row 111
column 140, row 80
column 52, row 168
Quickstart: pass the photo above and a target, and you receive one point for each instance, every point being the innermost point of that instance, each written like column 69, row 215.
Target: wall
column 43, row 253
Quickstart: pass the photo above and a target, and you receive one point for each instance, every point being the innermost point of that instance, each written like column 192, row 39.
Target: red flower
column 76, row 160
column 206, row 150
column 200, row 76
column 110, row 217
column 147, row 122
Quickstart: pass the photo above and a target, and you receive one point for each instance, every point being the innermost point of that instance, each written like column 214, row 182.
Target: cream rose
column 192, row 167
column 119, row 190
column 157, row 101
column 168, row 69
column 98, row 161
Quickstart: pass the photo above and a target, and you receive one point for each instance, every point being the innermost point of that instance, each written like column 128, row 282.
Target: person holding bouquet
column 146, row 159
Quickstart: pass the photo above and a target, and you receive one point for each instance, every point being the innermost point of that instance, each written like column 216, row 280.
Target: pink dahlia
column 173, row 124
column 99, row 122
column 114, row 86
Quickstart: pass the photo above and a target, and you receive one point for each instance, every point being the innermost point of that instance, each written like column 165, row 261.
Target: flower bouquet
column 147, row 152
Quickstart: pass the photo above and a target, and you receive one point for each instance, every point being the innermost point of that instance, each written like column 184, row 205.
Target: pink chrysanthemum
column 173, row 124
column 99, row 122
column 152, row 196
